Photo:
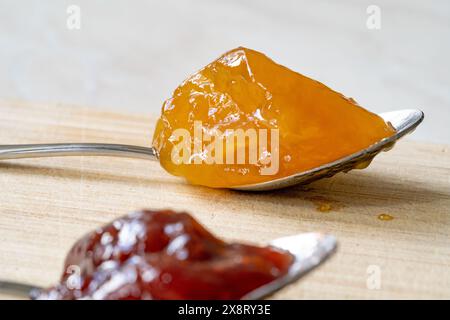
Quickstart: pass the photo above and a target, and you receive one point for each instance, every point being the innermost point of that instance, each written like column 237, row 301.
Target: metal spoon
column 403, row 121
column 309, row 250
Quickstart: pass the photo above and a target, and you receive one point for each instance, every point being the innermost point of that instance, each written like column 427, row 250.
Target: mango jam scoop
column 245, row 119
column 163, row 255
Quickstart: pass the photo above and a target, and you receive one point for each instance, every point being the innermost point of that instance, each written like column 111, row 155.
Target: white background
column 130, row 55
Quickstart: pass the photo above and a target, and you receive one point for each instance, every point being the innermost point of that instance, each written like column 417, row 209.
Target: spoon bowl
column 403, row 121
column 309, row 250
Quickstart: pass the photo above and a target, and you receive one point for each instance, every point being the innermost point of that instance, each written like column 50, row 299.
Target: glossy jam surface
column 385, row 217
column 164, row 255
column 244, row 89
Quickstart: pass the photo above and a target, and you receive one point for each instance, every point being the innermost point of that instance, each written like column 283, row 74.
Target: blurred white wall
column 130, row 55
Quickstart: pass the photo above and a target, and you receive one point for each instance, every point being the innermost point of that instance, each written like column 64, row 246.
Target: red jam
column 164, row 255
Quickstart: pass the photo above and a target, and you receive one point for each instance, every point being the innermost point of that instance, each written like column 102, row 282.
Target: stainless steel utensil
column 404, row 121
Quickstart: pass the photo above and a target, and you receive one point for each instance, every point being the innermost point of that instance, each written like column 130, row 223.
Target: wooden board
column 46, row 204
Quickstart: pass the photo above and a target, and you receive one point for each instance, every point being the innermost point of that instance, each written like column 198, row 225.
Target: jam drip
column 163, row 255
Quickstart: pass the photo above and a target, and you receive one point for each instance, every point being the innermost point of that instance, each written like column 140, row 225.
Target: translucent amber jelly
column 243, row 89
column 163, row 255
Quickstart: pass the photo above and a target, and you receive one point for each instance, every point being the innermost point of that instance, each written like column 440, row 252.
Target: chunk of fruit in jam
column 164, row 255
column 244, row 89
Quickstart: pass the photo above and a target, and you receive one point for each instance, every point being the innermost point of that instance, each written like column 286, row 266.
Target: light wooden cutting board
column 47, row 204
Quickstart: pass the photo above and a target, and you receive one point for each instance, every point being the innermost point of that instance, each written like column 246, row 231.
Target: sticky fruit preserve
column 163, row 255
column 289, row 123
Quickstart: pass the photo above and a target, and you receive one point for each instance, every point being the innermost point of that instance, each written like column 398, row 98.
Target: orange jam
column 385, row 217
column 289, row 123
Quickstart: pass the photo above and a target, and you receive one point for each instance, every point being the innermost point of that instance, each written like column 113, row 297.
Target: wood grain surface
column 47, row 204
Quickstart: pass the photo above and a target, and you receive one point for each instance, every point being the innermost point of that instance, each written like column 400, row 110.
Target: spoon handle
column 75, row 149
column 19, row 290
